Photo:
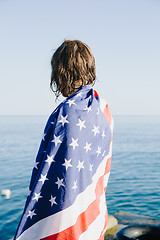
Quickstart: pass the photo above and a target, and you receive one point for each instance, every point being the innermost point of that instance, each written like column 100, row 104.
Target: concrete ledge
column 124, row 219
column 112, row 228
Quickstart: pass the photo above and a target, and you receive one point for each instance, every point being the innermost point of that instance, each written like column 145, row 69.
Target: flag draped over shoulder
column 69, row 179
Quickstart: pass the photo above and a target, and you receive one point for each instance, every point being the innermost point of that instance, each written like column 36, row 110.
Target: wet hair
column 73, row 66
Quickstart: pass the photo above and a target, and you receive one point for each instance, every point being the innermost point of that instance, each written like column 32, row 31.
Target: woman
column 67, row 188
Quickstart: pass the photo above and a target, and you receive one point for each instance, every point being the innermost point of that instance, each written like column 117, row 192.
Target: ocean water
column 134, row 184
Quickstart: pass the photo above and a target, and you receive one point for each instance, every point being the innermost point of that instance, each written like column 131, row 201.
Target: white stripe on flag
column 110, row 149
column 103, row 104
column 112, row 125
column 106, row 177
column 94, row 232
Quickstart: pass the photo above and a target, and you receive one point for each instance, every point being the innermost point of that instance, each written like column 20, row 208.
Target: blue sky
column 124, row 37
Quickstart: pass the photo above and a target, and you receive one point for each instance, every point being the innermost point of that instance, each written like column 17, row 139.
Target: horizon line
column 43, row 115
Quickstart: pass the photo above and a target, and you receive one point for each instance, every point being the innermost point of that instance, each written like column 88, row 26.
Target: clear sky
column 124, row 36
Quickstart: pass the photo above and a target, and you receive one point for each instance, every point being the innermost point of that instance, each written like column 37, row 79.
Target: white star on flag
column 71, row 102
column 75, row 185
column 90, row 97
column 52, row 200
column 44, row 134
column 67, row 163
column 80, row 165
column 43, row 178
column 59, row 182
column 88, row 109
column 81, row 124
column 95, row 130
column 88, row 146
column 31, row 214
column 103, row 134
column 49, row 160
column 29, row 192
column 37, row 196
column 35, row 166
column 74, row 143
column 103, row 153
column 56, row 140
column 79, row 94
column 90, row 167
column 63, row 120
column 98, row 151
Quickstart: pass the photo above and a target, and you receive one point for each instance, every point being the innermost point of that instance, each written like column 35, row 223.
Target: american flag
column 69, row 179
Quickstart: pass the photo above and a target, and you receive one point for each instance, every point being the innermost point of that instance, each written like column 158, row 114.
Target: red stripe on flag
column 95, row 94
column 108, row 166
column 84, row 219
column 107, row 115
column 111, row 138
column 105, row 226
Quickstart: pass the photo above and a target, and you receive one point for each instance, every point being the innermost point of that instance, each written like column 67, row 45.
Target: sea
column 134, row 183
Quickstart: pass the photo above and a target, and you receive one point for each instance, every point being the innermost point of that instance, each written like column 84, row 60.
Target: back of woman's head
column 73, row 66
